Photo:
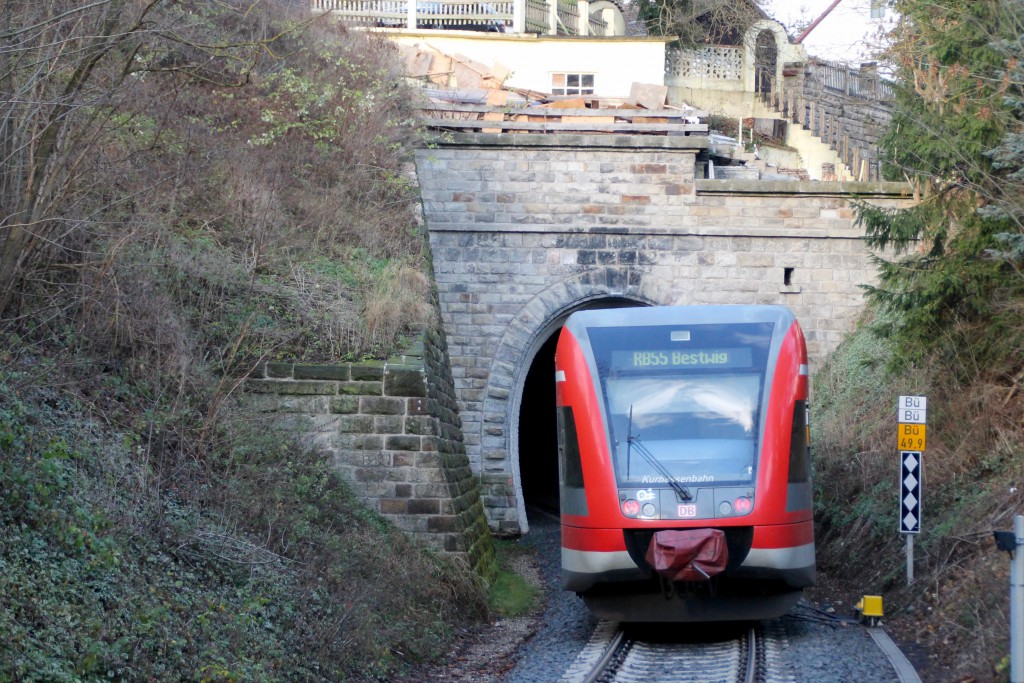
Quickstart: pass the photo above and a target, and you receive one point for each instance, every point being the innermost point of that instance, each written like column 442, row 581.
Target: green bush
column 971, row 469
column 269, row 570
column 229, row 189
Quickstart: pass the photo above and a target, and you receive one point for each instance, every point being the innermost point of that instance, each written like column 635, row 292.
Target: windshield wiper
column 682, row 492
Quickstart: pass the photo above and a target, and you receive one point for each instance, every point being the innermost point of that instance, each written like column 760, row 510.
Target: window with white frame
column 572, row 84
column 878, row 9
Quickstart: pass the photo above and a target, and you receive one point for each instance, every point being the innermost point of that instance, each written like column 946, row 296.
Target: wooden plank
column 466, row 77
column 589, row 119
column 500, row 72
column 687, row 128
column 476, row 66
column 634, row 113
column 417, row 63
column 493, row 116
column 440, row 69
column 648, row 95
column 574, row 103
column 497, row 98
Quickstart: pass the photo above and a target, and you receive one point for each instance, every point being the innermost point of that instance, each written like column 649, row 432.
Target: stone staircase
column 821, row 161
column 751, row 166
column 817, row 158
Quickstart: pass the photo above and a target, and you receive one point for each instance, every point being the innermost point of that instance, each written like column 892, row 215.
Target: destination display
column 676, row 358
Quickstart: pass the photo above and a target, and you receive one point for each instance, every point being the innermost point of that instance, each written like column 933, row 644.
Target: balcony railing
column 568, row 18
column 863, row 82
column 511, row 16
column 428, row 14
column 536, row 16
column 714, row 62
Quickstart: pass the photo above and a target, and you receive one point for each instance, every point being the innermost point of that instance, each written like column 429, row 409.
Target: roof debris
column 464, row 95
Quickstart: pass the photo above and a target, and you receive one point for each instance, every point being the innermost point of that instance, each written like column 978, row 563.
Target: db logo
column 646, row 495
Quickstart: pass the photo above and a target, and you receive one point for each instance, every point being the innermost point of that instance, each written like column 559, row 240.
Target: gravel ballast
column 816, row 645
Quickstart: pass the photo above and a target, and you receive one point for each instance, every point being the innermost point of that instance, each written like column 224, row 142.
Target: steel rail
column 904, row 669
column 751, row 672
column 614, row 646
column 624, row 659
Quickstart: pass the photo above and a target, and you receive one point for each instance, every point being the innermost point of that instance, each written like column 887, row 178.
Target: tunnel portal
column 537, row 433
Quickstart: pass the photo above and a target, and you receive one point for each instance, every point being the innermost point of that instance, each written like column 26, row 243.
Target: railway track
column 617, row 656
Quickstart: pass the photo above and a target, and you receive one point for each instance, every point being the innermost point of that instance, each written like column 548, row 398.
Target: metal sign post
column 911, row 415
column 910, row 503
column 1013, row 543
column 1017, row 604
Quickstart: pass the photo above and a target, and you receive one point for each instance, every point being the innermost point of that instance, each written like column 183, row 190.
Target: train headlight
column 631, row 507
column 742, row 505
column 650, row 510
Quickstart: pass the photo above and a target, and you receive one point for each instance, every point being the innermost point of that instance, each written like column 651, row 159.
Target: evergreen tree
column 957, row 135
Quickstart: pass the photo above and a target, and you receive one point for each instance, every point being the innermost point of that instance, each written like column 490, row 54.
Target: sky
column 848, row 34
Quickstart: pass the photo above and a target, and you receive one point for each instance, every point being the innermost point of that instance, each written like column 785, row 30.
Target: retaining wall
column 392, row 429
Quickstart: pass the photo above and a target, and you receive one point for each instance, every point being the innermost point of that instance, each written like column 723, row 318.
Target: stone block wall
column 392, row 429
column 526, row 229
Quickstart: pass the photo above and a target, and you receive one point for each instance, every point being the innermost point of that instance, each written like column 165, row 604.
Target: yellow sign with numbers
column 911, row 437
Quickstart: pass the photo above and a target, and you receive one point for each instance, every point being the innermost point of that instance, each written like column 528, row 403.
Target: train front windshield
column 683, row 401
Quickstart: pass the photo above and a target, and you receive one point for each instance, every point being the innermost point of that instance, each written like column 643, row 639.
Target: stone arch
column 524, row 337
column 611, row 12
column 759, row 33
column 766, row 59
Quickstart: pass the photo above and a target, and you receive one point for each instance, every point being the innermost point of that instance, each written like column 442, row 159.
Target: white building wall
column 616, row 62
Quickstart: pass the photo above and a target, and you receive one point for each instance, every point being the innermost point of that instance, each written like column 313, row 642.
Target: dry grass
column 973, row 483
column 221, row 206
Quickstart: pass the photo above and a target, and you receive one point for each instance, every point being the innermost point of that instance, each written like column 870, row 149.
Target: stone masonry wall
column 526, row 229
column 392, row 429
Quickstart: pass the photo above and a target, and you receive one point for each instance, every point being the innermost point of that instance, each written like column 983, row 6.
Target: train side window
column 799, row 449
column 570, row 466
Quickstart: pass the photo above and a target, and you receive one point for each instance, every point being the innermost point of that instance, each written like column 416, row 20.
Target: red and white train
column 684, row 462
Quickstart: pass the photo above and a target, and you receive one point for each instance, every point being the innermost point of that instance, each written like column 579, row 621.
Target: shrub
column 259, row 566
column 231, row 190
column 971, row 473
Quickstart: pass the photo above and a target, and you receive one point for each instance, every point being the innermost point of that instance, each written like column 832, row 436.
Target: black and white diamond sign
column 910, row 492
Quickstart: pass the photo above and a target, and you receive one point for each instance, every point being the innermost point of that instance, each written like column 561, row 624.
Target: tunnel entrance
column 537, row 436
column 538, row 440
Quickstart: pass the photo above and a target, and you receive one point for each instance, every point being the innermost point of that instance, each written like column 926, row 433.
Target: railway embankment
column 951, row 618
column 189, row 191
column 563, row 641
